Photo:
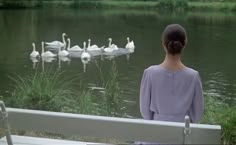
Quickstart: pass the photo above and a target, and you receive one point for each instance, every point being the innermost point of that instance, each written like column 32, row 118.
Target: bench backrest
column 110, row 127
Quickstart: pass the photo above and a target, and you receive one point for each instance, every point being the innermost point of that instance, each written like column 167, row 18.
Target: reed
column 219, row 112
column 48, row 90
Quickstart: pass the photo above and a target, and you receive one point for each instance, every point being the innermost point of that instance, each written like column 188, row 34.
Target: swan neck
column 109, row 43
column 68, row 47
column 42, row 48
column 84, row 47
column 34, row 48
column 63, row 39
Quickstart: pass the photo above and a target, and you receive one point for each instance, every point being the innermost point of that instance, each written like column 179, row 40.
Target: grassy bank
column 206, row 5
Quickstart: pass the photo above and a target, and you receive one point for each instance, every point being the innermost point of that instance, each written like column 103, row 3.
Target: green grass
column 48, row 90
column 220, row 113
column 112, row 97
column 52, row 91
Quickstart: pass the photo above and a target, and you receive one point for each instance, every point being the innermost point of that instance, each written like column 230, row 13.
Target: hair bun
column 177, row 44
column 175, row 47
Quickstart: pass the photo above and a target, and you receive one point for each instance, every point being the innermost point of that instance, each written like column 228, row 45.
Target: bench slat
column 110, row 127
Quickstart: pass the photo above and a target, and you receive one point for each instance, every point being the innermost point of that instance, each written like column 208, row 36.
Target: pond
column 210, row 50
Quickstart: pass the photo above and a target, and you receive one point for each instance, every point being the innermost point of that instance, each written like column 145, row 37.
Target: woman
column 170, row 91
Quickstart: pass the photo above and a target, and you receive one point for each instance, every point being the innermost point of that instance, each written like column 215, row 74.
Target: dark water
column 211, row 46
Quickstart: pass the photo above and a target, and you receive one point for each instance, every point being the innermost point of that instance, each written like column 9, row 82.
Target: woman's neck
column 172, row 62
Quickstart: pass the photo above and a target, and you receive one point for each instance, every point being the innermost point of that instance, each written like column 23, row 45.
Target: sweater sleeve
column 196, row 109
column 145, row 97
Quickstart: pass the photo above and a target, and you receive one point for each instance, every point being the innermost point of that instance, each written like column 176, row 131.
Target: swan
column 34, row 53
column 111, row 47
column 57, row 44
column 47, row 53
column 63, row 53
column 85, row 54
column 48, row 59
column 74, row 48
column 130, row 45
column 93, row 47
column 108, row 49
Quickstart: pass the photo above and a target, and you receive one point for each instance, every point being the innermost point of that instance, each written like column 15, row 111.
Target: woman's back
column 170, row 95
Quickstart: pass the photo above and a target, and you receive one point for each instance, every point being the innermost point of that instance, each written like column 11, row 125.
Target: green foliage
column 52, row 91
column 218, row 112
column 41, row 90
column 87, row 4
column 172, row 4
column 21, row 3
column 112, row 100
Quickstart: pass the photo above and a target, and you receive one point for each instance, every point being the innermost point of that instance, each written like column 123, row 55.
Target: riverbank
column 114, row 4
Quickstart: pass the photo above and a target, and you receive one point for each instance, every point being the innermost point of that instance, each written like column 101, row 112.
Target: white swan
column 108, row 49
column 130, row 45
column 74, row 48
column 48, row 59
column 93, row 47
column 111, row 47
column 47, row 53
column 34, row 53
column 57, row 44
column 63, row 53
column 85, row 54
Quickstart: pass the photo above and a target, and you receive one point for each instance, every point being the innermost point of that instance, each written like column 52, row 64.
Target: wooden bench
column 107, row 127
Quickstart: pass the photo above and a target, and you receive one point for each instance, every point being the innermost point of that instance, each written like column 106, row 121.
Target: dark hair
column 174, row 38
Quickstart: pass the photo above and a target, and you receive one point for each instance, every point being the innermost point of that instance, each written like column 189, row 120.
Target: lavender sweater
column 169, row 96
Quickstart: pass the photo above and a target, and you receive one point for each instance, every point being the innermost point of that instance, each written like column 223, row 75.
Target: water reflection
column 47, row 60
column 220, row 86
column 34, row 60
column 85, row 62
column 63, row 59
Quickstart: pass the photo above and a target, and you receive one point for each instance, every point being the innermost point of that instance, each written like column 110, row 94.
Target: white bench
column 107, row 127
